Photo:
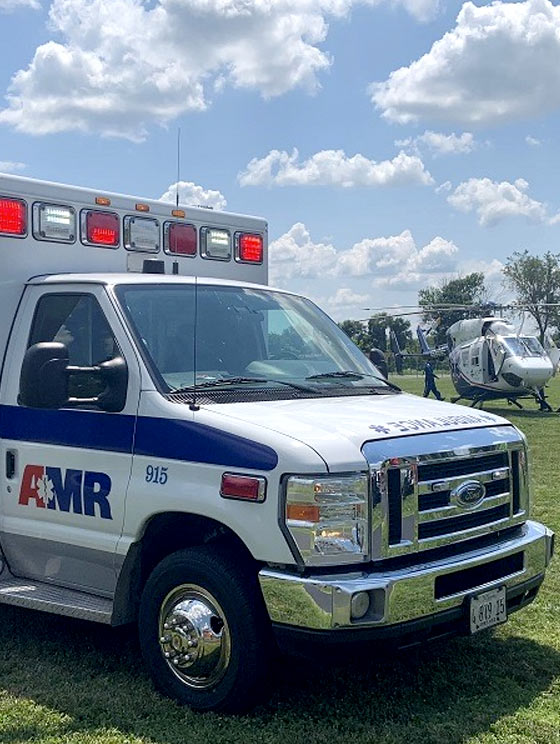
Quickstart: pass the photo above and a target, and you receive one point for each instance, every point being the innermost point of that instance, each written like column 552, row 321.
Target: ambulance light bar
column 141, row 234
column 54, row 222
column 100, row 228
column 180, row 239
column 58, row 223
column 215, row 243
column 13, row 217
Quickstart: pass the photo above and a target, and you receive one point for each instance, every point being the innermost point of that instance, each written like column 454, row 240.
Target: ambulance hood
column 337, row 428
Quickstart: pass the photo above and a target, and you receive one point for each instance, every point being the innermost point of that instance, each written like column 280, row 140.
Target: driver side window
column 78, row 322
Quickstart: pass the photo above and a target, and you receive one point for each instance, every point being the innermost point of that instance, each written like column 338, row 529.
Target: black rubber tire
column 234, row 585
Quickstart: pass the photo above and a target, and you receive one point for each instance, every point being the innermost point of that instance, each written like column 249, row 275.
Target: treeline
column 534, row 282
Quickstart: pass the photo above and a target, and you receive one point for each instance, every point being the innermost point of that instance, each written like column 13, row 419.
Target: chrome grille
column 450, row 525
column 420, row 492
column 454, row 468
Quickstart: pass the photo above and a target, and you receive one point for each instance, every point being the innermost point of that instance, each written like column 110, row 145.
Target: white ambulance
column 185, row 448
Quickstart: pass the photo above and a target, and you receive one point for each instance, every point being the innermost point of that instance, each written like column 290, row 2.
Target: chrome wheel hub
column 194, row 636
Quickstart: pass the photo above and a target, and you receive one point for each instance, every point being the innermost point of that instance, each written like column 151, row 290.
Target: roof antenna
column 178, row 166
column 193, row 404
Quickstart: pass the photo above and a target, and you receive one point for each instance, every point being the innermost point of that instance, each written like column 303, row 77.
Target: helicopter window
column 533, row 345
column 515, row 346
column 465, row 357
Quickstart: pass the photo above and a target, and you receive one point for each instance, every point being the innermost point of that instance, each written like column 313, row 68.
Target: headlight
column 327, row 517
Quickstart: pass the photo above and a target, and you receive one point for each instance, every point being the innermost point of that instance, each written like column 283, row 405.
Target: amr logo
column 76, row 491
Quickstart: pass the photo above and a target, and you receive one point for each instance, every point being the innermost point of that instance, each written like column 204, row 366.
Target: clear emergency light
column 141, row 234
column 248, row 248
column 54, row 222
column 179, row 239
column 13, row 217
column 100, row 228
column 215, row 243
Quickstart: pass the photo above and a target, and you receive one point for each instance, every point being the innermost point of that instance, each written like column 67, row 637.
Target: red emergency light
column 13, row 217
column 181, row 239
column 249, row 248
column 102, row 228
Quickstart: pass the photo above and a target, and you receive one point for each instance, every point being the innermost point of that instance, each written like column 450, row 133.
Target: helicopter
column 490, row 360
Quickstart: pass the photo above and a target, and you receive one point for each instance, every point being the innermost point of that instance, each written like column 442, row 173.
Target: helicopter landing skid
column 544, row 406
column 478, row 401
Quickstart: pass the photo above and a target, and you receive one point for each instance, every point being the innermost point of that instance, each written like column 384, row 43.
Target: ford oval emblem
column 469, row 494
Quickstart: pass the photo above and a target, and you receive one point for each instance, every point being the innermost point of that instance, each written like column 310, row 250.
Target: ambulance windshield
column 244, row 337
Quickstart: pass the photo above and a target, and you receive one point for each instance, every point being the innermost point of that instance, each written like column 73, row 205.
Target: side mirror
column 43, row 382
column 114, row 375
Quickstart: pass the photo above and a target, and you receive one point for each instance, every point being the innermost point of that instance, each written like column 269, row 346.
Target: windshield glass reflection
column 533, row 346
column 208, row 334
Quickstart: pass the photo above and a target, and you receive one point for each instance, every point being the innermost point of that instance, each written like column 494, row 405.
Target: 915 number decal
column 156, row 474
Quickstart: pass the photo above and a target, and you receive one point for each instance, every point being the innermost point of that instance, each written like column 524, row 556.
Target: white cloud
column 333, row 168
column 499, row 63
column 121, row 65
column 345, row 297
column 439, row 143
column 390, row 262
column 492, row 270
column 9, row 166
column 443, row 187
column 555, row 220
column 341, row 303
column 7, row 5
column 532, row 141
column 194, row 195
column 396, row 261
column 493, row 201
column 295, row 254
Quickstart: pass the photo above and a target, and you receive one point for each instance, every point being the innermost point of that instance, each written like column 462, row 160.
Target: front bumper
column 422, row 594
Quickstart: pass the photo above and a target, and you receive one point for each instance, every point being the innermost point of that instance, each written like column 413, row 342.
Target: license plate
column 488, row 609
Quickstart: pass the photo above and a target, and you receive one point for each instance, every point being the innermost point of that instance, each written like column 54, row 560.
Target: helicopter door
column 498, row 352
column 475, row 366
column 488, row 366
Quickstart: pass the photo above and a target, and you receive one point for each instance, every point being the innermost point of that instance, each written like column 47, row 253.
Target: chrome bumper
column 418, row 591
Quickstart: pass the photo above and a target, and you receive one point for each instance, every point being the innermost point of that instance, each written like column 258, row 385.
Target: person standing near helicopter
column 430, row 378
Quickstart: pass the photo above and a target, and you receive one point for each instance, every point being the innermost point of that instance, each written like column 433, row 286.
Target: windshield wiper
column 223, row 381
column 349, row 374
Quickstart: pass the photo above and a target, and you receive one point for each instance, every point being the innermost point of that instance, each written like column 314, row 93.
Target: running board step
column 35, row 595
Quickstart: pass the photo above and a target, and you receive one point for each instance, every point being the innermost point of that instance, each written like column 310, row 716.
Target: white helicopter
column 490, row 360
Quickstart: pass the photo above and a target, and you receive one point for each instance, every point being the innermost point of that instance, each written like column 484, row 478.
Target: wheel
column 204, row 632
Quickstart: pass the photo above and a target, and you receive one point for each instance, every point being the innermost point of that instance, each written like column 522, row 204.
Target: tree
column 377, row 330
column 356, row 331
column 465, row 290
column 536, row 283
column 375, row 335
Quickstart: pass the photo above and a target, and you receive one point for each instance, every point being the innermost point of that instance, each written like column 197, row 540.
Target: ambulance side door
column 66, row 471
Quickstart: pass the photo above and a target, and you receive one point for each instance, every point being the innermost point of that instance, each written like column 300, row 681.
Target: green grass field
column 70, row 681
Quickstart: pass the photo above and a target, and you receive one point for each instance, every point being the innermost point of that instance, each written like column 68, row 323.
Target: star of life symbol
column 45, row 489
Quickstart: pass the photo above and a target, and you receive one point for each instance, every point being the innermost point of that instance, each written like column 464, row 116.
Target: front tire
column 204, row 632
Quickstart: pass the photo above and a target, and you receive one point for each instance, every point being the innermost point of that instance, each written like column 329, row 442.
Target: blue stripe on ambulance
column 170, row 439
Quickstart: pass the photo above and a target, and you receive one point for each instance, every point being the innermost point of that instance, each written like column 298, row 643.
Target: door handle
column 10, row 464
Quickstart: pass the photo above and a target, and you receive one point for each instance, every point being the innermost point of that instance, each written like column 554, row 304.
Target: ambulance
column 187, row 450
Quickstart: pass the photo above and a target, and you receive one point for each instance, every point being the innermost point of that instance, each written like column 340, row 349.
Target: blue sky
column 390, row 143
